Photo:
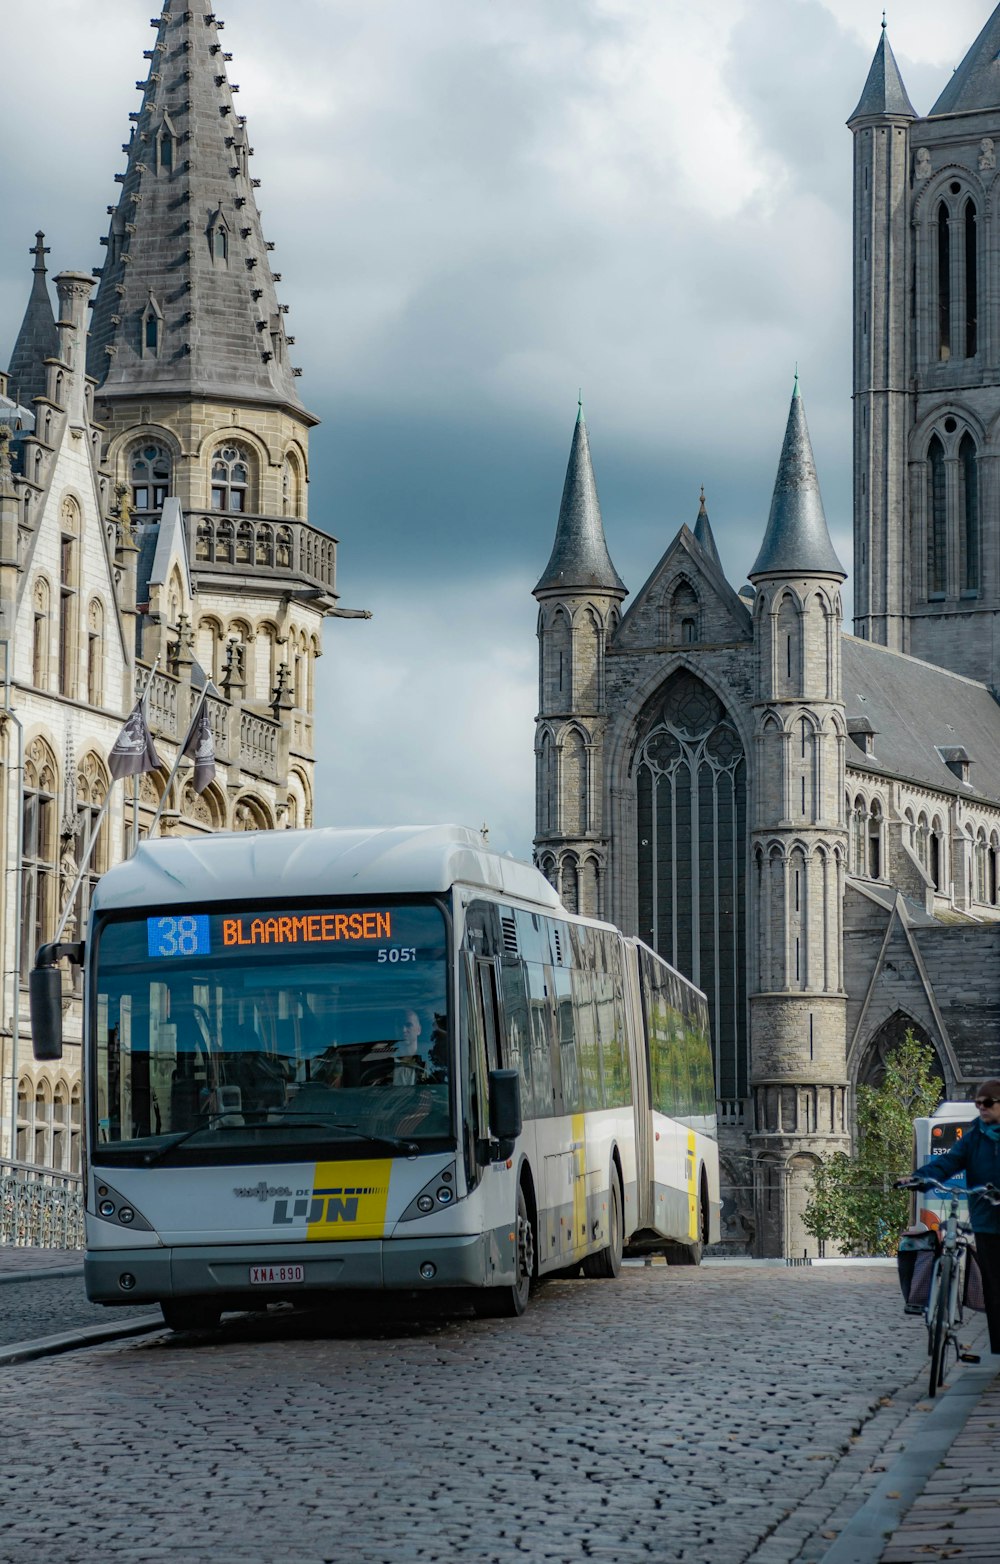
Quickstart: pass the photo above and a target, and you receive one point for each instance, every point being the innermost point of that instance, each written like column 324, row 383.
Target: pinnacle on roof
column 884, row 93
column 37, row 339
column 797, row 540
column 186, row 304
column 703, row 534
column 580, row 557
column 976, row 82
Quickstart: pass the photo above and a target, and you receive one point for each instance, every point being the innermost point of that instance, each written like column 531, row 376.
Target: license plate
column 276, row 1275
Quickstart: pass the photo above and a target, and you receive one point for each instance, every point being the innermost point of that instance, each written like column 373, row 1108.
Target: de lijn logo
column 323, row 1205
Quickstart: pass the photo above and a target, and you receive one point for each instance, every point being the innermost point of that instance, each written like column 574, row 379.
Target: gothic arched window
column 969, row 473
column 875, row 841
column 69, row 561
column 971, row 280
column 937, row 520
column 149, row 475
column 557, row 664
column 573, row 784
column 684, row 608
column 231, row 478
column 691, row 802
column 944, row 282
column 40, row 849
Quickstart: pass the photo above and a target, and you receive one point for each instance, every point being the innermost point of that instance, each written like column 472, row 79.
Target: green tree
column 853, row 1203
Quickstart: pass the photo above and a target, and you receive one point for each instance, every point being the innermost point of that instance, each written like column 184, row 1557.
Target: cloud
column 479, row 209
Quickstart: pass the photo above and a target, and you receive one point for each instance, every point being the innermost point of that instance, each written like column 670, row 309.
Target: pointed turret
column 884, row 95
column 580, row 558
column 704, row 536
column 976, row 83
column 797, row 540
column 37, row 339
column 187, row 303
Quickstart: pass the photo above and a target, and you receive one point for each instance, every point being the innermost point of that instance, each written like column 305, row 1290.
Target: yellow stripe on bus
column 692, row 1179
column 349, row 1200
column 579, row 1133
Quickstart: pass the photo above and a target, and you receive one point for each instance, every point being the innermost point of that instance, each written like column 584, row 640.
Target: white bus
column 343, row 1060
column 931, row 1137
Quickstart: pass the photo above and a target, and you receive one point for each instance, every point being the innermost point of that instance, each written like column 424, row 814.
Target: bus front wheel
column 190, row 1313
column 608, row 1262
column 510, row 1302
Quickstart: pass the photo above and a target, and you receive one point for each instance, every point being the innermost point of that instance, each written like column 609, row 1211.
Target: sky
column 481, row 210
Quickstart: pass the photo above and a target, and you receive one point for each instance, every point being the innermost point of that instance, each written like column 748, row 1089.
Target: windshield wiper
column 354, row 1133
column 217, row 1121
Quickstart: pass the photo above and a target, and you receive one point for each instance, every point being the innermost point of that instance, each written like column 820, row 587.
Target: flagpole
column 181, row 752
column 135, row 780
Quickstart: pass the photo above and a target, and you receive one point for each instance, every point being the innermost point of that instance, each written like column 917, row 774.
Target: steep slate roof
column 884, row 92
column 37, row 339
column 976, row 82
column 916, row 709
column 580, row 555
column 703, row 534
column 222, row 330
column 797, row 539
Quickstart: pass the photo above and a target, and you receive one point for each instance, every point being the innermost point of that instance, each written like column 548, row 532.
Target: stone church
column 805, row 821
column 154, row 531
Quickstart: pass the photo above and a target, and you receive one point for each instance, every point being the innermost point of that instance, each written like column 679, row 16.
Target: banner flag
column 200, row 745
column 132, row 753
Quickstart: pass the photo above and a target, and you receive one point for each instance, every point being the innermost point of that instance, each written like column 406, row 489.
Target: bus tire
column 607, row 1262
column 190, row 1313
column 510, row 1301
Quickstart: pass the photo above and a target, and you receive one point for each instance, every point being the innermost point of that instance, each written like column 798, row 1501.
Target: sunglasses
column 986, row 1102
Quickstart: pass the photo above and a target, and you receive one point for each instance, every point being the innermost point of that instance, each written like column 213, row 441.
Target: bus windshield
column 270, row 1035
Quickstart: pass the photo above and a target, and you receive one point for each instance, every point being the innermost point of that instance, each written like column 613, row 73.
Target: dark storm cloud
column 478, row 209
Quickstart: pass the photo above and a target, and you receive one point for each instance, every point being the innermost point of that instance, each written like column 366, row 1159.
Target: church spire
column 797, row 540
column 187, row 303
column 580, row 558
column 884, row 95
column 37, row 339
column 976, row 82
column 704, row 536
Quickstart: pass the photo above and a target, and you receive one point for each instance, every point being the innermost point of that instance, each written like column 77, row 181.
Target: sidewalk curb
column 42, row 1273
column 69, row 1341
column 868, row 1533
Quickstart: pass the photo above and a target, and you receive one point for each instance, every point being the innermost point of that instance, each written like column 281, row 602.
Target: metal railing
column 39, row 1208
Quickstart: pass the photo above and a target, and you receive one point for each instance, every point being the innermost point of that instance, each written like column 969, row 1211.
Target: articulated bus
column 344, row 1060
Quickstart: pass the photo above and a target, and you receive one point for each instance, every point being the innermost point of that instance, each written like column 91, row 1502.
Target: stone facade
column 807, row 823
column 153, row 532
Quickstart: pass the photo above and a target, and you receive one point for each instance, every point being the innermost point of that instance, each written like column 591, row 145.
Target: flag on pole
column 200, row 745
column 132, row 752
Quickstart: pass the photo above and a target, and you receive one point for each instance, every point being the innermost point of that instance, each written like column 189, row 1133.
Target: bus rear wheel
column 608, row 1262
column 510, row 1302
column 190, row 1313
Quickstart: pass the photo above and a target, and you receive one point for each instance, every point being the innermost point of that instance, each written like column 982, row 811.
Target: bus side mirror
column 505, row 1111
column 45, row 1000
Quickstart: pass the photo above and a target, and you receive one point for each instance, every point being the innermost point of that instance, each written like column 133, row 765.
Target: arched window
column 875, row 841
column 570, row 886
column 934, row 861
column 971, row 281
column 69, row 546
column 231, row 478
column 41, row 1150
column 859, row 822
column 937, row 520
column 944, row 282
column 787, row 646
column 691, row 842
column 573, row 784
column 23, row 1119
column 969, row 471
column 152, row 328
column 75, row 1123
column 60, row 1127
column 95, row 653
column 981, row 866
column 149, row 476
column 547, row 782
column 557, row 665
column 40, row 852
column 92, row 783
column 684, row 609
column 218, row 237
column 40, row 634
column 289, row 488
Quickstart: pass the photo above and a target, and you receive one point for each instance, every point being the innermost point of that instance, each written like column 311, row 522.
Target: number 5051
column 397, row 953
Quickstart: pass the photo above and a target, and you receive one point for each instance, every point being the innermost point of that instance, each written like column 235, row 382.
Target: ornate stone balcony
column 256, row 750
column 241, row 543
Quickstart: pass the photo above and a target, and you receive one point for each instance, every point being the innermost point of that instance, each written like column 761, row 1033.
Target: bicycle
column 943, row 1310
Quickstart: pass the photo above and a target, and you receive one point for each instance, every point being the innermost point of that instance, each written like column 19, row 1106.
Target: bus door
column 641, row 1105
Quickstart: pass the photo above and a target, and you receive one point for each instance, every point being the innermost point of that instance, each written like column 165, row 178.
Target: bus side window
column 541, row 1041
column 586, row 1034
column 517, row 1043
column 475, row 1091
column 572, row 1099
column 489, row 1010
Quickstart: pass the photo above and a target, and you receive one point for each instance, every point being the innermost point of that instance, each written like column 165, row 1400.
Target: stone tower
column 197, row 396
column 881, row 349
column 927, row 349
column 579, row 597
column 798, row 852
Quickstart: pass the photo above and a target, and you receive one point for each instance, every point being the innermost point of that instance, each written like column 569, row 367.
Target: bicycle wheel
column 938, row 1325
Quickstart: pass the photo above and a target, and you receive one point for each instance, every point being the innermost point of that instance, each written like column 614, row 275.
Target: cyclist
column 977, row 1155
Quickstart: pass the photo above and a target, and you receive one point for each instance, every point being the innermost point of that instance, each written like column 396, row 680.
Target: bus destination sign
column 191, row 934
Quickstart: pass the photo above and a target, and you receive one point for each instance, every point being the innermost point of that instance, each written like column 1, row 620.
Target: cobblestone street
column 718, row 1415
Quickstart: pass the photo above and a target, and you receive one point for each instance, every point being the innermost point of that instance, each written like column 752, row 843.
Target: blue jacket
column 978, row 1157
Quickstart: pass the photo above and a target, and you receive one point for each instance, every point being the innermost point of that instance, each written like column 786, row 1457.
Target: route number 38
column 397, row 953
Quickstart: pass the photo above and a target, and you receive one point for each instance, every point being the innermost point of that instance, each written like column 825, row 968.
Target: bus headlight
column 445, row 1195
column 106, row 1208
column 425, row 1203
column 428, row 1270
